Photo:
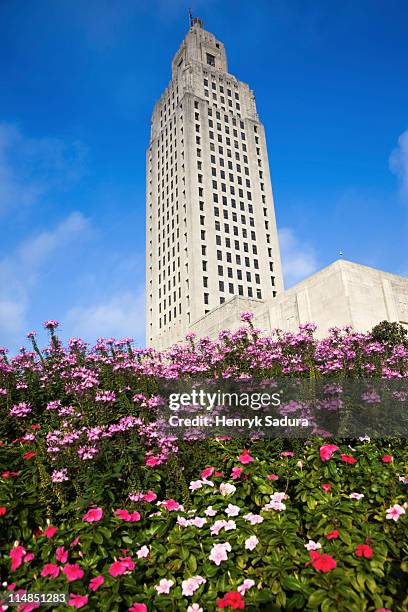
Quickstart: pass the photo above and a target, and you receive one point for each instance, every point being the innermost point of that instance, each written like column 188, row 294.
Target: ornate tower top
column 195, row 20
column 199, row 46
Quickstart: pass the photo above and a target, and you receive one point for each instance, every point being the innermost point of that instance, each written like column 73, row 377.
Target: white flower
column 195, row 484
column 219, row 552
column 195, row 607
column 222, row 524
column 198, row 521
column 356, row 496
column 209, row 483
column 232, row 510
column 143, row 552
column 395, row 512
column 254, row 519
column 192, row 584
column 274, row 505
column 278, row 496
column 251, row 542
column 164, row 586
column 311, row 545
column 365, row 439
column 210, row 511
column 227, row 489
column 247, row 584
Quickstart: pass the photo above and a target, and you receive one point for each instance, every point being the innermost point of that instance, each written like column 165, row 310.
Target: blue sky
column 78, row 80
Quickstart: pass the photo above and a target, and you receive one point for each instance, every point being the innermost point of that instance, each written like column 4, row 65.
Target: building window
column 206, row 298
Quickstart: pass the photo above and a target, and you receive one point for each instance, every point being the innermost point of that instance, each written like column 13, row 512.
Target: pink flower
column 327, row 450
column 72, row 571
column 251, row 542
column 50, row 532
column 29, row 455
column 28, row 557
column 164, row 586
column 120, row 567
column 78, row 601
column 50, row 569
column 94, row 514
column 152, row 461
column 171, row 504
column 395, row 512
column 138, row 607
column 245, row 457
column 16, row 554
column 348, row 458
column 3, row 510
column 96, row 582
column 287, row 454
column 332, row 535
column 326, row 487
column 125, row 515
column 150, row 496
column 51, row 324
column 272, row 477
column 236, row 472
column 322, row 562
column 209, row 471
column 387, row 458
column 61, row 554
column 363, row 550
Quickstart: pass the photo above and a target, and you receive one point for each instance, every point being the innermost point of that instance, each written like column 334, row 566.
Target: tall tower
column 211, row 230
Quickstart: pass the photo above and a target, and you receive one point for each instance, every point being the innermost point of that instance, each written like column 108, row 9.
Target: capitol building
column 212, row 247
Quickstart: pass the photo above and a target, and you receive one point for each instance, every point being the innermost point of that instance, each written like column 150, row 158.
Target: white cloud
column 20, row 269
column 399, row 162
column 31, row 167
column 37, row 249
column 298, row 259
column 118, row 316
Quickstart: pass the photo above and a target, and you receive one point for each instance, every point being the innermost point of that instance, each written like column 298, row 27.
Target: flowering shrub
column 95, row 503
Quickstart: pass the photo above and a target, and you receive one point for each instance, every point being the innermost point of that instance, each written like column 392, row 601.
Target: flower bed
column 95, row 505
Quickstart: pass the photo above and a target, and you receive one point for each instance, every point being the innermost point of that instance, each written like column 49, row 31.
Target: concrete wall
column 344, row 293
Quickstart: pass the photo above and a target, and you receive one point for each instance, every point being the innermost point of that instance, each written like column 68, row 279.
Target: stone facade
column 344, row 293
column 211, row 230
